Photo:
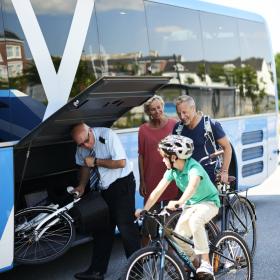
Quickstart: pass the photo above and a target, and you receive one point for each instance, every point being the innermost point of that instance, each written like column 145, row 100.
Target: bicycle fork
column 162, row 262
column 45, row 224
column 244, row 225
column 226, row 203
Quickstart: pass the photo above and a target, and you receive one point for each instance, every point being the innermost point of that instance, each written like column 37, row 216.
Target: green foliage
column 201, row 72
column 277, row 64
column 189, row 81
column 84, row 76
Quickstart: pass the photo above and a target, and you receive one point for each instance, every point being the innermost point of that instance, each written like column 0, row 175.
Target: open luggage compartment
column 45, row 158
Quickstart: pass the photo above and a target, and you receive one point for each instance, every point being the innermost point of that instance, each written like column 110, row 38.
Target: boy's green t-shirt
column 206, row 191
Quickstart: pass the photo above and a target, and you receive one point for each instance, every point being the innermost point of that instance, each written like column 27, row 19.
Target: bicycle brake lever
column 164, row 212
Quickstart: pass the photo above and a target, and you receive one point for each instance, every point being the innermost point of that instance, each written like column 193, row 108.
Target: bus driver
column 100, row 147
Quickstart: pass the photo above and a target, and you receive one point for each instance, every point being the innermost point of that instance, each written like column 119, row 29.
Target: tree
column 277, row 64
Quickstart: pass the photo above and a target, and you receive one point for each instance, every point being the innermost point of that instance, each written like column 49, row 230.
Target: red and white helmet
column 178, row 145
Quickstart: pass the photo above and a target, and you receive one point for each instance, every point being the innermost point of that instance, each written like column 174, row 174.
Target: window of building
column 13, row 51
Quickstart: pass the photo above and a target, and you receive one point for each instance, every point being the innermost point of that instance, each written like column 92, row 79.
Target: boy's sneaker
column 205, row 269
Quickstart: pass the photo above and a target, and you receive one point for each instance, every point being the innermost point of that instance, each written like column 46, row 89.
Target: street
column 266, row 262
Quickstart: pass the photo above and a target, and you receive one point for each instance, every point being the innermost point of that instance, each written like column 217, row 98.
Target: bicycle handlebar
column 71, row 189
column 164, row 211
column 211, row 156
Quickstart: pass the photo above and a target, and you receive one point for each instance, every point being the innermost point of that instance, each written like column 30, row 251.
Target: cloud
column 219, row 35
column 119, row 5
column 49, row 7
column 53, row 6
column 176, row 33
column 168, row 29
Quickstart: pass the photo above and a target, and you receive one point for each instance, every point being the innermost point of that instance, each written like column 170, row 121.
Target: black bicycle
column 237, row 212
column 164, row 259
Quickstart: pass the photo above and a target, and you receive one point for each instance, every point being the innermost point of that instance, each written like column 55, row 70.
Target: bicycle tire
column 245, row 212
column 211, row 228
column 231, row 257
column 54, row 242
column 145, row 264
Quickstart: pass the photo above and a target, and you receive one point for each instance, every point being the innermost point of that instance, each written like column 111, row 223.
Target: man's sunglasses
column 86, row 141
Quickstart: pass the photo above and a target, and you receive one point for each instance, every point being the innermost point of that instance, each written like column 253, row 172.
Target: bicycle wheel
column 57, row 236
column 231, row 258
column 246, row 214
column 211, row 228
column 144, row 264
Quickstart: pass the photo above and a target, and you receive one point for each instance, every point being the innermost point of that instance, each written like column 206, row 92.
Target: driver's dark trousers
column 120, row 197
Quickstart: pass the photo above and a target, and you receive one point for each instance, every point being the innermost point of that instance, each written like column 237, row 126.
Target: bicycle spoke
column 233, row 261
column 243, row 221
column 20, row 251
column 47, row 242
column 147, row 267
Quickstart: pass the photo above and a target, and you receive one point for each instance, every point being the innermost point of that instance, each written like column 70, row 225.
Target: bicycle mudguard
column 91, row 213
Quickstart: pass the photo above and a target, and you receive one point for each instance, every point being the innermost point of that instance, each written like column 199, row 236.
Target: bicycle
column 237, row 212
column 229, row 255
column 44, row 233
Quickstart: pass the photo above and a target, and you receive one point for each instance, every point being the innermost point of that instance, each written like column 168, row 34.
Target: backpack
column 209, row 136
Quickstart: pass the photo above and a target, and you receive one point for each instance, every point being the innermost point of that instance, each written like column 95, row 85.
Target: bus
column 98, row 60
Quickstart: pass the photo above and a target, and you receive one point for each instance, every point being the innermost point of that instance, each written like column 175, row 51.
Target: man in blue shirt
column 191, row 125
column 100, row 147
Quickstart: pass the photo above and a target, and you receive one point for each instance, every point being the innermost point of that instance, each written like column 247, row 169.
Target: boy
column 200, row 198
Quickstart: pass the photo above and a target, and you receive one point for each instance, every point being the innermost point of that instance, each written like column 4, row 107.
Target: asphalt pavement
column 266, row 197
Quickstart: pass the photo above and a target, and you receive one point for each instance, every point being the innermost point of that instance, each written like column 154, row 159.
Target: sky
column 268, row 9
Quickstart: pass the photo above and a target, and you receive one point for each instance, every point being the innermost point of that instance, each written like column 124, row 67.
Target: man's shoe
column 89, row 275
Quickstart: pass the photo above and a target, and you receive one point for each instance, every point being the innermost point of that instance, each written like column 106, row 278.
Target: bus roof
column 212, row 8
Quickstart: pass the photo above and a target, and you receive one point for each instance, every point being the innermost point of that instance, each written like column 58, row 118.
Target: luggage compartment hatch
column 100, row 105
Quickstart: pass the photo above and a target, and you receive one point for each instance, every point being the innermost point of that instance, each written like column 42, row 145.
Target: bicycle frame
column 166, row 234
column 169, row 235
column 226, row 203
column 224, row 194
column 43, row 222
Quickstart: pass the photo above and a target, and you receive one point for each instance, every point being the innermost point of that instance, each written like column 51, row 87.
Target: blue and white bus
column 50, row 51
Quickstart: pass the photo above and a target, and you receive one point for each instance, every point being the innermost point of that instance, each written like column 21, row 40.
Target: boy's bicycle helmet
column 178, row 145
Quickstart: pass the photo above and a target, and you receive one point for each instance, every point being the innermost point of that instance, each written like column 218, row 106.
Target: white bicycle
column 44, row 233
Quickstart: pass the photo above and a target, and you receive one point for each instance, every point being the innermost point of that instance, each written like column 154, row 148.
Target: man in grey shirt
column 101, row 147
